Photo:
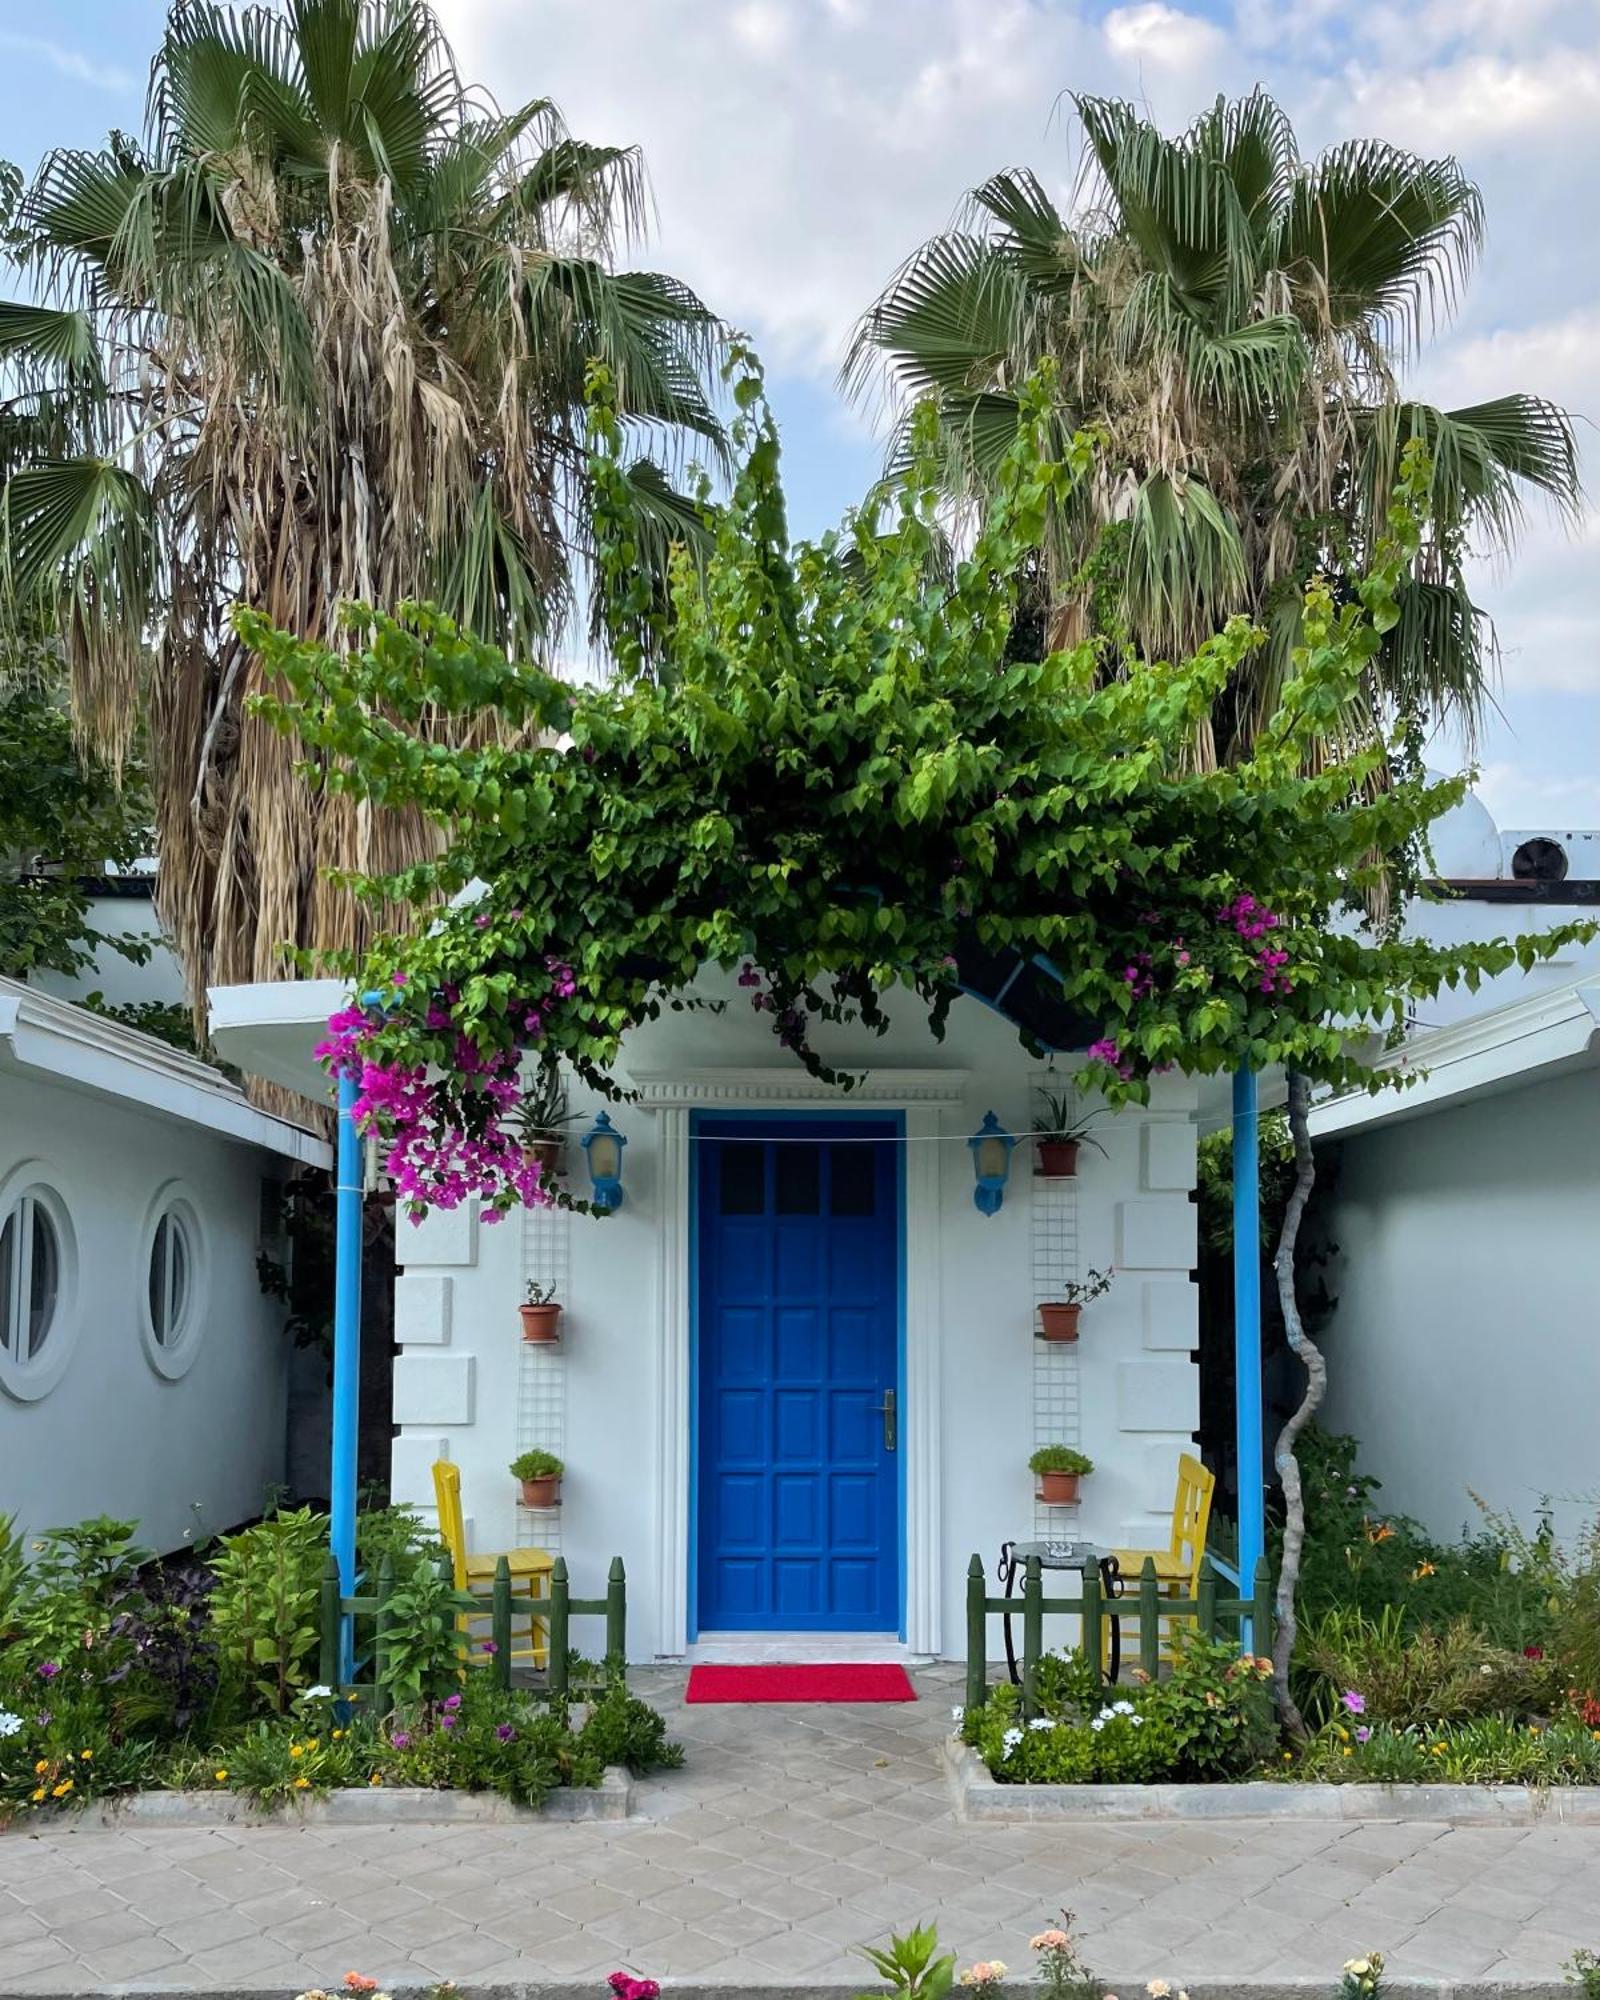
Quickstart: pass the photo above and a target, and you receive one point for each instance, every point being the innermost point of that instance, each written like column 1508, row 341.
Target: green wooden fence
column 1211, row 1611
column 369, row 1611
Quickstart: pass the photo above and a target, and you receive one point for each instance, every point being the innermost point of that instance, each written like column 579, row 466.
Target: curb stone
column 1243, row 1988
column 611, row 1799
column 980, row 1797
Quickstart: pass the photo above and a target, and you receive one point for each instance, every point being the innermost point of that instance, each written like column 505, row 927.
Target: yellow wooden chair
column 530, row 1575
column 1178, row 1565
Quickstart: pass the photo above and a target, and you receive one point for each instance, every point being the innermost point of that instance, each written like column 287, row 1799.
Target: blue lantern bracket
column 992, row 1146
column 602, row 1151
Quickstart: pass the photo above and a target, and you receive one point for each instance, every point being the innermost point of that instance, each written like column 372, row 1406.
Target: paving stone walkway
column 792, row 1835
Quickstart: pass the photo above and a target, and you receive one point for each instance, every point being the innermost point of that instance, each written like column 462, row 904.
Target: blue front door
column 797, row 1318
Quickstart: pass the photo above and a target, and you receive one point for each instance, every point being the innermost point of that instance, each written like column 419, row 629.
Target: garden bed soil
column 363, row 1805
column 980, row 1796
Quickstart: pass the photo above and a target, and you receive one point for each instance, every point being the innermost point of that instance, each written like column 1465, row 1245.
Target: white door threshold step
column 761, row 1649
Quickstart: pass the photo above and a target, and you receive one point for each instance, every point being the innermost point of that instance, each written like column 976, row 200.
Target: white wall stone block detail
column 1157, row 1476
column 411, row 1470
column 1156, row 1235
column 422, row 1309
column 1168, row 1155
column 1169, row 1310
column 1157, row 1396
column 434, row 1389
column 444, row 1236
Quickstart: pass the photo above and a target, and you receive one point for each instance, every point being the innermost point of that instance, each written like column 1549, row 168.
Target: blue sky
column 798, row 149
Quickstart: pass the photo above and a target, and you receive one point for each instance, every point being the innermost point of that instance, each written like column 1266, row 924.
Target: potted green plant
column 1059, row 1468
column 541, row 1316
column 1057, row 1135
column 542, row 1119
column 1058, row 1318
column 539, row 1473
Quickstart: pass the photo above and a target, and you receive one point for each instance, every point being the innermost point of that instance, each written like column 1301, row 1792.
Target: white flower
column 1358, row 1968
column 1138, row 1722
column 1158, row 1989
column 1122, row 1708
column 957, row 1714
column 1098, row 1723
column 1010, row 1740
column 9, row 1724
column 1041, row 1722
column 318, row 1693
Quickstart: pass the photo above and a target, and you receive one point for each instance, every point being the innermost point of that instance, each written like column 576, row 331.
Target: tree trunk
column 1288, row 1466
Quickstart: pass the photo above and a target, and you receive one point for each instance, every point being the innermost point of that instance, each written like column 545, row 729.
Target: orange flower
column 358, row 1982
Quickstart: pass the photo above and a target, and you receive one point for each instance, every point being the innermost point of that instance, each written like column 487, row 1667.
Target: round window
column 35, row 1248
column 174, row 1275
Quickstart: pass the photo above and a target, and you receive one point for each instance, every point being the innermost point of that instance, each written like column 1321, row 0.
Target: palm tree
column 321, row 335
column 1231, row 318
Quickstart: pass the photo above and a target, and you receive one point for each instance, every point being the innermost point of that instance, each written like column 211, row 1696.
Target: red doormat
column 797, row 1683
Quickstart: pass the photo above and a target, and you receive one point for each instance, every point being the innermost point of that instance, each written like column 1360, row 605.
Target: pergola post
column 1247, row 1387
column 346, row 1355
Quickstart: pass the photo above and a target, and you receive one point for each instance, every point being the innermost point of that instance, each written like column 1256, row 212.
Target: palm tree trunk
column 1288, row 1466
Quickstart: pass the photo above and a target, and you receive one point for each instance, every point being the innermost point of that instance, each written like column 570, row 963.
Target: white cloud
column 1524, row 795
column 69, row 62
column 1155, row 33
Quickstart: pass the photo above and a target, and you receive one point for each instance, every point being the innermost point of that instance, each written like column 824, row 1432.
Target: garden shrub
column 621, row 1729
column 1446, row 1675
column 265, row 1607
column 1490, row 1750
column 1210, row 1718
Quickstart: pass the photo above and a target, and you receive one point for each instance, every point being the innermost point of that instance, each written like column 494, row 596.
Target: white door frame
column 921, row 1094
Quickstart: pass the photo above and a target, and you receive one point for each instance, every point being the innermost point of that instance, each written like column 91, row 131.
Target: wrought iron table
column 1064, row 1555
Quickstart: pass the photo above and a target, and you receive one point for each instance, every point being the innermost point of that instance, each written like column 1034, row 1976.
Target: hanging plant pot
column 541, row 1325
column 1058, row 1159
column 1059, row 1489
column 1059, row 1322
column 542, row 1492
column 546, row 1156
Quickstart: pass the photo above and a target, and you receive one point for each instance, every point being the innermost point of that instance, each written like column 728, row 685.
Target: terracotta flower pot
column 1058, row 1489
column 1058, row 1158
column 541, row 1324
column 1059, row 1322
column 542, row 1492
column 546, row 1156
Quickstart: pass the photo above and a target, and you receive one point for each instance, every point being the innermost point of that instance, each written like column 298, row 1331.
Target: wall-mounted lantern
column 991, row 1162
column 602, row 1149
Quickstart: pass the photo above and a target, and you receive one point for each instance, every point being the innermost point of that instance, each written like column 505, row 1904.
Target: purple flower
column 481, row 922
column 452, row 1702
column 1355, row 1703
column 48, row 1669
column 505, row 1732
column 447, row 1722
column 43, row 1719
column 490, row 1647
column 1363, row 1734
column 400, row 1740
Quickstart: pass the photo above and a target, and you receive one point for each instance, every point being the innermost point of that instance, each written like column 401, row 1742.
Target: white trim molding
column 1478, row 1057
column 89, row 1052
column 700, row 1089
column 921, row 1094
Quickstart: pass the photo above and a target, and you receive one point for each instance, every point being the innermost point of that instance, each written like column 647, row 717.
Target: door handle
column 886, row 1410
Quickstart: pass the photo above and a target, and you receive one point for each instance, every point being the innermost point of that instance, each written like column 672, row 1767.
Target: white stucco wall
column 1126, row 1393
column 1465, row 1348
column 114, row 1435
column 122, row 982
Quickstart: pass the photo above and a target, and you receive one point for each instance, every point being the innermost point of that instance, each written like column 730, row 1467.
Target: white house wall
column 1462, row 1351
column 611, row 1402
column 187, row 1456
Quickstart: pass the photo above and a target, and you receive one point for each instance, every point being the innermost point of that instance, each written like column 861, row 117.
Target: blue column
column 1247, row 1330
column 346, row 1351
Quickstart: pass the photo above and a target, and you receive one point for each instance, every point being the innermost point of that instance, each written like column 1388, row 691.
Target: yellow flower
column 60, row 1791
column 1435, row 1749
column 1422, row 1569
column 375, row 1779
column 1342, row 1734
column 220, row 1776
column 337, row 1734
column 302, row 1784
column 38, row 1795
column 87, row 1756
column 297, row 1750
column 1288, row 1756
column 1346, row 1751
column 1534, row 1729
column 312, row 1743
column 40, row 1767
